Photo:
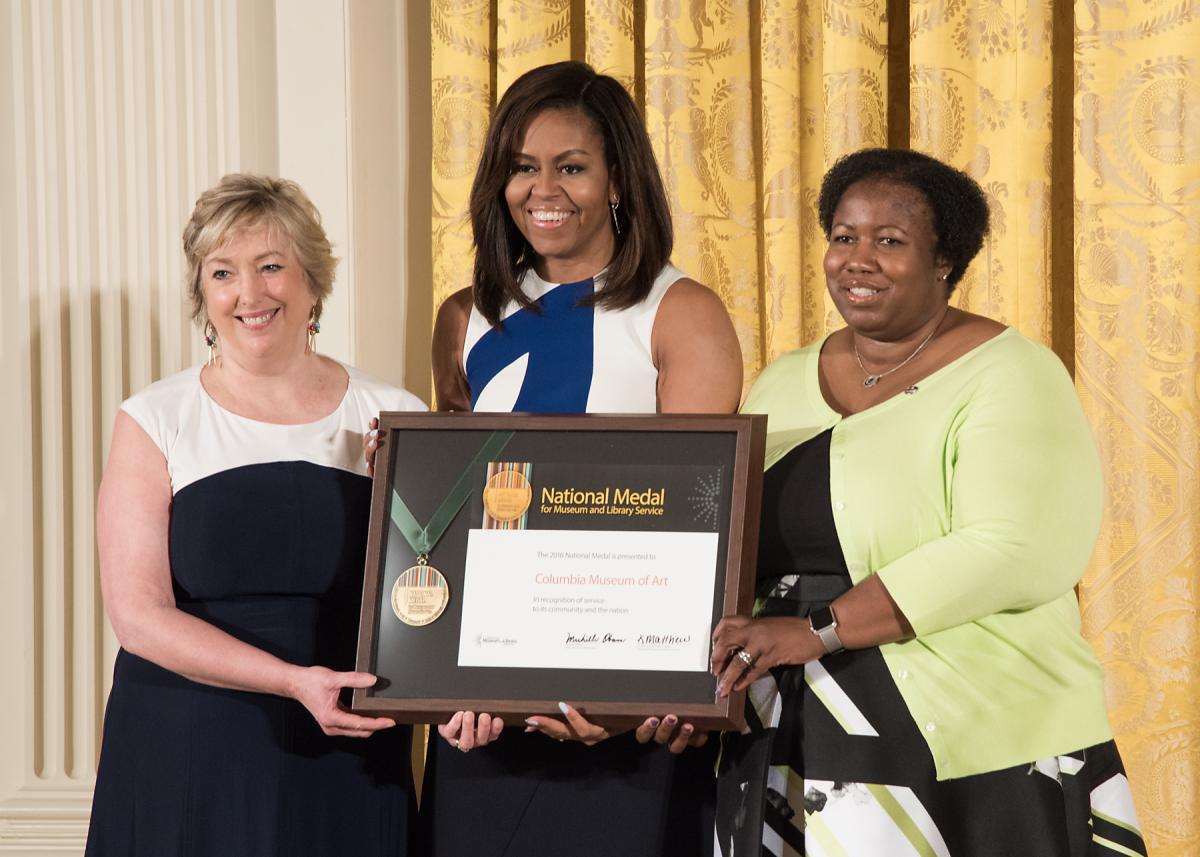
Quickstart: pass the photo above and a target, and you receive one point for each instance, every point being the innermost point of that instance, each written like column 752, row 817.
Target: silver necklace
column 872, row 380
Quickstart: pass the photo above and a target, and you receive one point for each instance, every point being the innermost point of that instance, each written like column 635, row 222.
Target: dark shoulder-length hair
column 957, row 204
column 643, row 247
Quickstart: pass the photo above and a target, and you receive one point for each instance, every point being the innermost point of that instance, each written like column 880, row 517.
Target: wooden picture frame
column 700, row 477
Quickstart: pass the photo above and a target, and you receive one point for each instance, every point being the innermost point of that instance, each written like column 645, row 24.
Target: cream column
column 310, row 49
column 115, row 116
column 342, row 76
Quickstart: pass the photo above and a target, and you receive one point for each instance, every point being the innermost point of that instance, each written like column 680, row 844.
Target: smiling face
column 558, row 195
column 257, row 297
column 882, row 267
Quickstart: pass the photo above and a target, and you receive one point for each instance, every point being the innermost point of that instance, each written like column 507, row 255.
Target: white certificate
column 588, row 599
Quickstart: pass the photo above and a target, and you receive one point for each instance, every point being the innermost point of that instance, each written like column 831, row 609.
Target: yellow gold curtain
column 980, row 78
column 1137, row 261
column 1093, row 108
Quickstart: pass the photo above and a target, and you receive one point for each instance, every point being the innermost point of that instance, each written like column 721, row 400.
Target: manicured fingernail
column 654, row 722
column 529, row 721
column 671, row 719
column 531, row 729
column 564, row 708
column 687, row 729
column 374, row 433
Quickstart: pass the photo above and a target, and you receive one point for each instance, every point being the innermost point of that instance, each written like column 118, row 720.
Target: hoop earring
column 314, row 327
column 210, row 339
column 612, row 206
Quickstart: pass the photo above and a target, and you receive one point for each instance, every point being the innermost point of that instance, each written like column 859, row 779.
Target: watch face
column 820, row 618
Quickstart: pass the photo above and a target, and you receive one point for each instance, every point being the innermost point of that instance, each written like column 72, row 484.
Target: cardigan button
column 839, row 505
column 930, row 726
column 902, row 674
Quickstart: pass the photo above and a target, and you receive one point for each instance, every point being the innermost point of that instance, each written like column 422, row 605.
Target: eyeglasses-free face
column 558, row 195
column 882, row 267
column 257, row 297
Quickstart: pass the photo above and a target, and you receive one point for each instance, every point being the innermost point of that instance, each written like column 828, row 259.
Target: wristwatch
column 824, row 624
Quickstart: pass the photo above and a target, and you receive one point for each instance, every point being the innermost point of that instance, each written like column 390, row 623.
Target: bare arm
column 866, row 616
column 466, row 729
column 131, row 528
column 450, row 388
column 696, row 351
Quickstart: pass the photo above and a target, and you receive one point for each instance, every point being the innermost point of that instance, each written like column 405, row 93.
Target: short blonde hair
column 242, row 201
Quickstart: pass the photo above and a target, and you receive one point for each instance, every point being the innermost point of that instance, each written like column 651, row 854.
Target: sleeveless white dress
column 568, row 358
column 526, row 794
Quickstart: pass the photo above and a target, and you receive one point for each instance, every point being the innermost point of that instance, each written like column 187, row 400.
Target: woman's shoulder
column 162, row 407
column 786, row 365
column 164, row 395
column 681, row 294
column 454, row 317
column 1012, row 353
column 1013, row 372
column 787, row 375
column 457, row 306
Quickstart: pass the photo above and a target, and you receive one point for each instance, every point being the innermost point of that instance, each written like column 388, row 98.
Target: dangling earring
column 210, row 339
column 314, row 327
column 612, row 206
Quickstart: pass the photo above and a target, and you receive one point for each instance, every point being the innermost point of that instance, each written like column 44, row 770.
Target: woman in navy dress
column 231, row 526
column 574, row 308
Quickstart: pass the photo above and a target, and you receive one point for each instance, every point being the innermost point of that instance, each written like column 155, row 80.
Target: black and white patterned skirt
column 832, row 765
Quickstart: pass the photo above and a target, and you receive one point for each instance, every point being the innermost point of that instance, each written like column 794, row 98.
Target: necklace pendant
column 871, row 380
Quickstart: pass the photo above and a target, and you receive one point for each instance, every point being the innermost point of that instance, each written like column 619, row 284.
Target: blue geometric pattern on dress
column 558, row 341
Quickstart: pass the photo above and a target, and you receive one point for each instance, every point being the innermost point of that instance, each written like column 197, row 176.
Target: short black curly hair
column 956, row 201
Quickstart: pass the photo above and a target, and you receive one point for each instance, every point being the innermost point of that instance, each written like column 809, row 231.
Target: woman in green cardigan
column 918, row 682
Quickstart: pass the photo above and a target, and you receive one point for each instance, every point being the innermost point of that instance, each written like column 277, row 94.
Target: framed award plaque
column 519, row 560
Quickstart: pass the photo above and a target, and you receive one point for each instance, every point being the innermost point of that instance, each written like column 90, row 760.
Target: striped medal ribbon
column 420, row 594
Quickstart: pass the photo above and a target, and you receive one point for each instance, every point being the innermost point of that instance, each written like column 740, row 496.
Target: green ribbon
column 422, row 539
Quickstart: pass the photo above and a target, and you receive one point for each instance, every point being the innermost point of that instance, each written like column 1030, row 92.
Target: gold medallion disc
column 507, row 495
column 420, row 595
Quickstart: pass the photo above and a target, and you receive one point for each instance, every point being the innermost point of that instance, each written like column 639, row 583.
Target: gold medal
column 420, row 594
column 507, row 495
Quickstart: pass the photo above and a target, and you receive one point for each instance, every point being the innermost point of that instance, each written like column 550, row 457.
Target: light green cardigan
column 977, row 500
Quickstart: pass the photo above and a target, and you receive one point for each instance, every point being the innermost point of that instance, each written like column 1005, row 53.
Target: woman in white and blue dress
column 232, row 524
column 574, row 308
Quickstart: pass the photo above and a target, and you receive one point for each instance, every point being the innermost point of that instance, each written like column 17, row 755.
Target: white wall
column 114, row 116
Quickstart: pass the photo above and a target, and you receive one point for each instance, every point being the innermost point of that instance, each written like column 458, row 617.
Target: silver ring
column 745, row 657
column 454, row 742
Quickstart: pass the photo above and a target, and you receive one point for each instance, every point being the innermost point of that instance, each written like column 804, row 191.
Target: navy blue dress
column 270, row 551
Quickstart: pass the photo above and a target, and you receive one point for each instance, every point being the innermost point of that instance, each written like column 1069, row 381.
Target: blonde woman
column 232, row 522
